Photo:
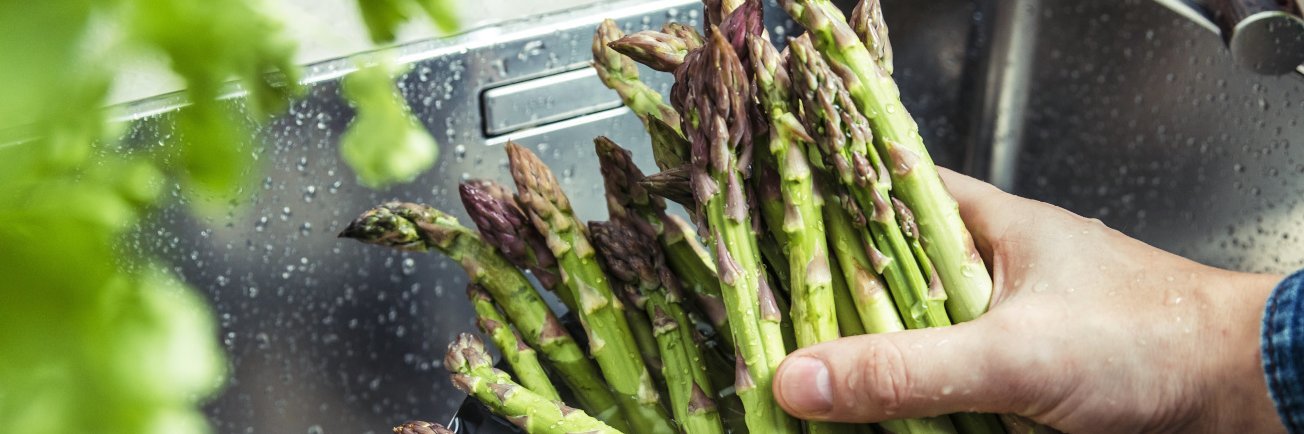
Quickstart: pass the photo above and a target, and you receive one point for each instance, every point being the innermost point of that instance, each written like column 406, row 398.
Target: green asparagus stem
column 502, row 224
column 876, row 310
column 849, row 323
column 414, row 227
column 621, row 75
column 843, row 137
column 710, row 91
column 635, row 261
column 948, row 247
column 474, row 374
column 518, row 355
column 611, row 343
column 627, row 198
column 641, row 326
column 421, row 427
column 867, row 21
column 914, row 175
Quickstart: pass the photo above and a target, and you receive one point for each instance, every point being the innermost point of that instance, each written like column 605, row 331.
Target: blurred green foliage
column 383, row 17
column 385, row 144
column 95, row 336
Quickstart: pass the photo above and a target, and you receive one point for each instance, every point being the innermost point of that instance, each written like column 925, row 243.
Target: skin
column 1089, row 331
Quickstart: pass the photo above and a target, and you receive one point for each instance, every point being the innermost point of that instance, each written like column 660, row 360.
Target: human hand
column 1089, row 331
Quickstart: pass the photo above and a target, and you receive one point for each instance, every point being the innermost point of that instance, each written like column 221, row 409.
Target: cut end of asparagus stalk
column 421, row 427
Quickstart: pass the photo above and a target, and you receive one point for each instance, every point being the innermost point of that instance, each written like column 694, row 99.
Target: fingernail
column 806, row 388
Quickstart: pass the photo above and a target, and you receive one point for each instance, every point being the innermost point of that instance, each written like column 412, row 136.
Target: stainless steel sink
column 1117, row 110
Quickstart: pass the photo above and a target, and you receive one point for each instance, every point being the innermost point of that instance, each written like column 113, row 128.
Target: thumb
column 910, row 374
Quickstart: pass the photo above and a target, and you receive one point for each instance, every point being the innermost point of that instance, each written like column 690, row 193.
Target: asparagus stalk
column 413, row 227
column 627, row 198
column 611, row 343
column 814, row 316
column 502, row 224
column 635, row 261
column 619, row 73
column 843, row 140
column 658, row 50
column 710, row 91
column 859, row 168
column 867, row 21
column 641, row 326
column 872, row 301
column 522, row 358
column 474, row 374
column 914, row 175
column 421, row 427
column 849, row 323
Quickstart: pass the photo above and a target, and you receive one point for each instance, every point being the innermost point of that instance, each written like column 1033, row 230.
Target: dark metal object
column 1263, row 35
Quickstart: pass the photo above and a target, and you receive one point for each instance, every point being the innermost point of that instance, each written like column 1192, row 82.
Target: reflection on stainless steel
column 1120, row 122
column 545, row 100
column 1261, row 34
column 997, row 127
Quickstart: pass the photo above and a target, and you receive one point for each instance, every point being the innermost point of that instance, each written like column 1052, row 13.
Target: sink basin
column 1118, row 110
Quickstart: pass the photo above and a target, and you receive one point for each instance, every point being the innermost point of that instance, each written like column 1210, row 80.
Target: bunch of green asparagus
column 818, row 215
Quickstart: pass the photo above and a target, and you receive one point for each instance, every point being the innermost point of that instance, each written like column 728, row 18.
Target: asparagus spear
column 611, row 343
column 843, row 140
column 787, row 216
column 873, row 303
column 635, row 261
column 867, row 21
column 842, row 135
column 413, row 227
column 658, row 50
column 914, row 175
column 672, row 185
column 641, row 326
column 421, row 427
column 474, row 374
column 502, row 224
column 518, row 355
column 710, row 89
column 686, row 33
column 627, row 198
column 621, row 75
column 849, row 323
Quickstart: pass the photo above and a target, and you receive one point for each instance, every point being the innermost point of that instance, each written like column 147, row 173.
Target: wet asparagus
column 634, row 261
column 915, row 179
column 611, row 342
column 414, row 227
column 502, row 224
column 522, row 358
column 619, row 73
column 421, row 427
column 474, row 374
column 711, row 88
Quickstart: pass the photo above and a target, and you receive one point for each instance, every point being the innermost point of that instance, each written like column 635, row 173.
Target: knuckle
column 883, row 381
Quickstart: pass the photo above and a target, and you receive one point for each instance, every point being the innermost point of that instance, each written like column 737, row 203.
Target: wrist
column 1237, row 379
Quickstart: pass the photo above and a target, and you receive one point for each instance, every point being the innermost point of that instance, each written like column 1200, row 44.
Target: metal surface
column 545, row 100
column 1262, row 36
column 1131, row 114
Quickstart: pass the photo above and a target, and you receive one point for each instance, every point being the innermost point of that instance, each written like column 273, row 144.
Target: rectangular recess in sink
column 544, row 100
